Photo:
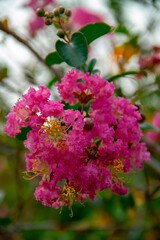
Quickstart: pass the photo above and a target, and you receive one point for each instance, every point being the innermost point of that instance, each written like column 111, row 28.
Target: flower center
column 40, row 167
column 53, row 128
column 69, row 194
column 84, row 97
column 116, row 166
column 55, row 132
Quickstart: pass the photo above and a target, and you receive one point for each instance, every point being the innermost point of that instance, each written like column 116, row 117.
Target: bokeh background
column 130, row 57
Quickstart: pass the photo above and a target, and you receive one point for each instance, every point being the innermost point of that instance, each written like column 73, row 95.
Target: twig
column 9, row 31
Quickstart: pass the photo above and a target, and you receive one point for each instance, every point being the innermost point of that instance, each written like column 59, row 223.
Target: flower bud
column 48, row 21
column 68, row 13
column 88, row 123
column 56, row 12
column 40, row 12
column 56, row 25
column 60, row 33
column 49, row 14
column 61, row 10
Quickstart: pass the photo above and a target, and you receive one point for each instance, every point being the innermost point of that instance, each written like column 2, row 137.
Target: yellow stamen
column 40, row 167
column 53, row 128
column 116, row 166
column 69, row 194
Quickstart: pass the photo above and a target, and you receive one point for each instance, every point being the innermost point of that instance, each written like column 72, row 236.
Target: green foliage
column 112, row 78
column 3, row 73
column 53, row 58
column 121, row 29
column 147, row 126
column 52, row 82
column 23, row 134
column 89, row 67
column 93, row 31
column 77, row 106
column 75, row 53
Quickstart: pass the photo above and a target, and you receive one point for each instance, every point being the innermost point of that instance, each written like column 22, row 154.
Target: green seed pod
column 49, row 15
column 48, row 21
column 61, row 10
column 60, row 33
column 40, row 12
column 56, row 12
column 68, row 13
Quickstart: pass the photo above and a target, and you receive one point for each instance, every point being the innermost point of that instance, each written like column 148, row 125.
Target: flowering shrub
column 77, row 152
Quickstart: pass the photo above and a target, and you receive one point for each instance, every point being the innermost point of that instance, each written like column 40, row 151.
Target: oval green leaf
column 95, row 30
column 53, row 58
column 75, row 53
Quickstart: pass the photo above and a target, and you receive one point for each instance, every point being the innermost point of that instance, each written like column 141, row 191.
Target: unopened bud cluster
column 59, row 18
column 55, row 17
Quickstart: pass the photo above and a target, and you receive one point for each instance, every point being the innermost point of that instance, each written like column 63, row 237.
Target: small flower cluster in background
column 77, row 152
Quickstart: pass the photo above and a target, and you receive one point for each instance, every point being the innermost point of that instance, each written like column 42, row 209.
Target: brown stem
column 24, row 42
column 84, row 69
column 63, row 28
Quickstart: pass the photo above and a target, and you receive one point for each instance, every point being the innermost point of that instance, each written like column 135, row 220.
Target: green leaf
column 23, row 134
column 93, row 31
column 157, row 79
column 75, row 53
column 111, row 78
column 91, row 65
column 121, row 29
column 3, row 73
column 80, row 80
column 52, row 82
column 53, row 58
column 77, row 106
column 147, row 126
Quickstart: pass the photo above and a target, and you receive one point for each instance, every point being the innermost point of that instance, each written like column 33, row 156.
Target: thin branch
column 9, row 31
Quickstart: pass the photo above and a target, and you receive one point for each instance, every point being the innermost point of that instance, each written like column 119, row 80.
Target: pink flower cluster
column 78, row 152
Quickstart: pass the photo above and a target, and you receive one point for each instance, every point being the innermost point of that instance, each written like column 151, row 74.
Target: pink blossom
column 79, row 87
column 81, row 16
column 35, row 24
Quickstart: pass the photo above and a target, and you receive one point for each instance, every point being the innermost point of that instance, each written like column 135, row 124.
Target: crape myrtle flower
column 78, row 152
